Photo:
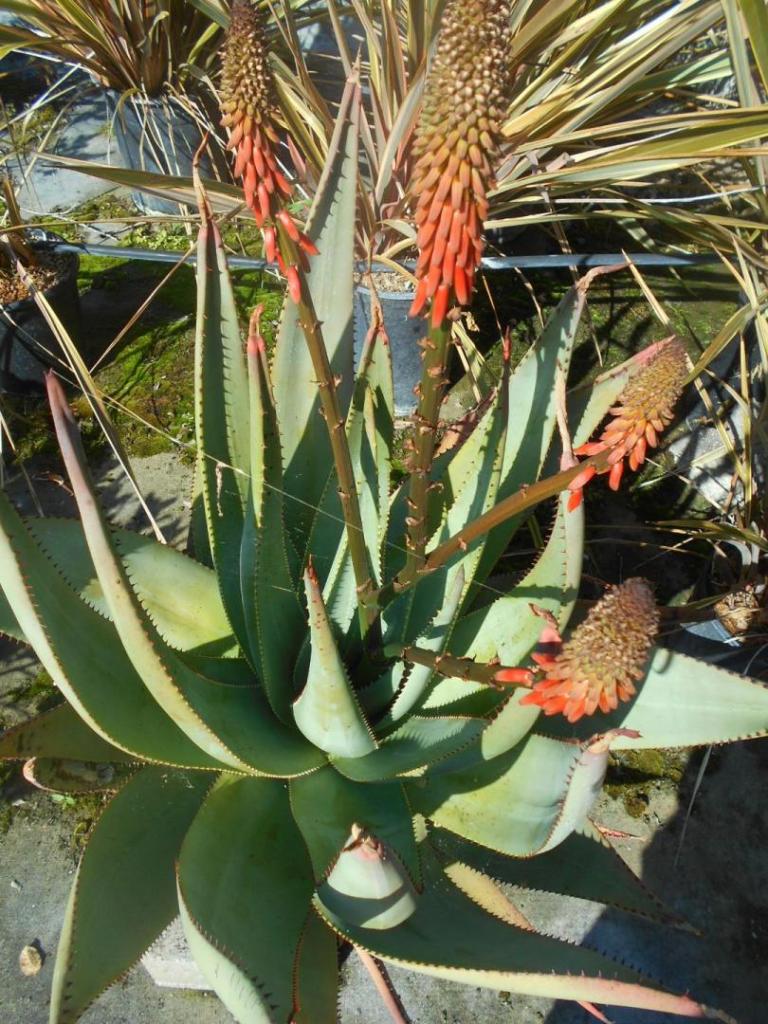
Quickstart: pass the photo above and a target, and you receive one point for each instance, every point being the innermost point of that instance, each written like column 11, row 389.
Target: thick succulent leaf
column 584, row 865
column 245, row 884
column 531, row 408
column 449, row 936
column 331, row 226
column 64, row 775
column 221, row 415
column 124, row 894
column 370, row 428
column 274, row 619
column 327, row 711
column 60, row 732
column 159, row 574
column 417, row 745
column 326, row 805
column 434, row 638
column 97, row 678
column 681, row 702
column 521, row 803
column 468, row 489
column 508, row 628
column 367, row 884
column 9, row 625
column 232, row 724
column 316, row 982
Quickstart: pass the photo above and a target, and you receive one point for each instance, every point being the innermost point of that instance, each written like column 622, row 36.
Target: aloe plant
column 317, row 738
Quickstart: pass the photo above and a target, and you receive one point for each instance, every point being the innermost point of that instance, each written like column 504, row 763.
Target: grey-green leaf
column 124, row 894
column 327, row 711
column 245, row 884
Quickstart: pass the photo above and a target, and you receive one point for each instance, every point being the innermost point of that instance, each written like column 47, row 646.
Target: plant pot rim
column 405, row 296
column 40, row 239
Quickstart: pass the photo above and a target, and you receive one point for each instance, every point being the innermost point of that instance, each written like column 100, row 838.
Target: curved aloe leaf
column 419, row 743
column 245, row 883
column 316, row 975
column 331, row 226
column 123, row 895
column 221, row 415
column 327, row 711
column 508, row 628
column 367, row 885
column 369, row 436
column 97, row 678
column 450, row 936
column 274, row 619
column 522, row 803
column 159, row 574
column 531, row 408
column 9, row 625
column 232, row 724
column 470, row 485
column 326, row 805
column 434, row 638
column 584, row 865
column 681, row 702
column 64, row 775
column 60, row 732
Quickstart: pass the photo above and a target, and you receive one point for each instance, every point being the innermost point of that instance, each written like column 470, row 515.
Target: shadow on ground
column 719, row 885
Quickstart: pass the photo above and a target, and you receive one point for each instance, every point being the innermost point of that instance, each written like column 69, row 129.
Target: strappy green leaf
column 331, row 226
column 124, row 894
column 245, row 882
column 681, row 702
column 326, row 805
column 327, row 711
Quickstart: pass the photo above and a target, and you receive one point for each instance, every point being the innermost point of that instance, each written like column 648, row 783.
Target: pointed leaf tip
column 327, row 711
column 367, row 886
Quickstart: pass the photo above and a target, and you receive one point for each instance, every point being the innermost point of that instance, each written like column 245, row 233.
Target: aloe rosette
column 289, row 773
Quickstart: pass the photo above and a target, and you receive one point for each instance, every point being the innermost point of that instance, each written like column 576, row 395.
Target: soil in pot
column 27, row 344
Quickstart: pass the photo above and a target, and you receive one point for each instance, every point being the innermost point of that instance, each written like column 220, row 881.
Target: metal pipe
column 544, row 262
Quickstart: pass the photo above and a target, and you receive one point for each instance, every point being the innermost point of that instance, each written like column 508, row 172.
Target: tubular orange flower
column 644, row 410
column 603, row 658
column 249, row 106
column 456, row 142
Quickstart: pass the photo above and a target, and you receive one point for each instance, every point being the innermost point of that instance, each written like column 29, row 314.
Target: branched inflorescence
column 249, row 106
column 603, row 658
column 643, row 411
column 456, row 144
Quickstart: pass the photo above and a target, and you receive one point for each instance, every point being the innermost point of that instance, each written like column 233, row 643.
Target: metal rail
column 542, row 262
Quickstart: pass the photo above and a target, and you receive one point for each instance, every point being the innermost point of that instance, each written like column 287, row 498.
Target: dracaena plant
column 329, row 724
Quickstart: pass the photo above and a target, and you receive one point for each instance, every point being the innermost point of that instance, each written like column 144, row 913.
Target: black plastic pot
column 404, row 335
column 26, row 340
column 155, row 134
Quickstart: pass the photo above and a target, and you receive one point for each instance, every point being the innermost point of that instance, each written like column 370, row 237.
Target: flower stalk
column 490, row 673
column 421, row 445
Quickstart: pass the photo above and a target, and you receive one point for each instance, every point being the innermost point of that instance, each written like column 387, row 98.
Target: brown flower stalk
column 643, row 411
column 599, row 664
column 456, row 144
column 249, row 106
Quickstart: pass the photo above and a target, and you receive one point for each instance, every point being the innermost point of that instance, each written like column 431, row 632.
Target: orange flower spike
column 456, row 144
column 604, row 657
column 249, row 108
column 644, row 410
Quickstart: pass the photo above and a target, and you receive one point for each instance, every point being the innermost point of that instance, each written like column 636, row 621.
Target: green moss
column 39, row 694
column 6, row 818
column 634, row 774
